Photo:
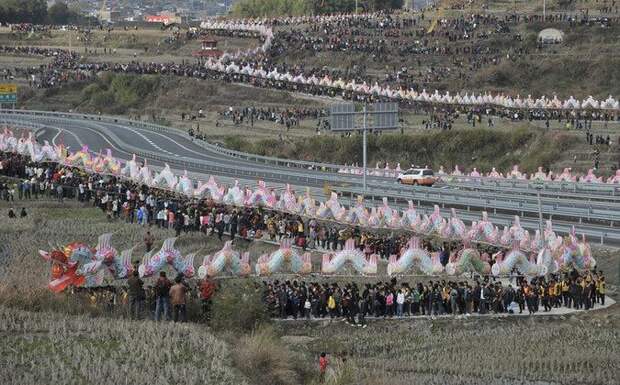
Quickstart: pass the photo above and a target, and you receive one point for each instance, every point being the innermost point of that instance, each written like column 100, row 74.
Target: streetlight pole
column 544, row 10
column 540, row 216
column 364, row 140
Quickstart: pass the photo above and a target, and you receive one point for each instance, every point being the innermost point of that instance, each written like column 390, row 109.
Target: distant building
column 208, row 49
column 109, row 16
column 165, row 17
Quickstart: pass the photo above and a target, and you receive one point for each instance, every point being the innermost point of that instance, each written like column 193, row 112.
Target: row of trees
column 37, row 12
column 257, row 8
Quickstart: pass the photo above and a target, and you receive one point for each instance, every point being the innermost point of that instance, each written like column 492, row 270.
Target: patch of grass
column 481, row 147
column 46, row 347
column 262, row 356
column 117, row 93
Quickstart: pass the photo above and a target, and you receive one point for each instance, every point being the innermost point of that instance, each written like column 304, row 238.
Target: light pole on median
column 380, row 116
column 364, row 147
column 540, row 216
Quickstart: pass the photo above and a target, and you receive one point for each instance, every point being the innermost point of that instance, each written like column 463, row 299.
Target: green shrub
column 117, row 93
column 263, row 357
column 238, row 305
column 479, row 147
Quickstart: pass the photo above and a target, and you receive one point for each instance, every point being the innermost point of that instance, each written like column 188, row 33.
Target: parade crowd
column 127, row 201
column 463, row 40
column 573, row 290
column 144, row 206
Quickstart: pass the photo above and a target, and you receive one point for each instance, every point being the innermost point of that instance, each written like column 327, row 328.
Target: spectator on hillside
column 148, row 241
column 11, row 213
column 162, row 299
column 23, row 213
column 177, row 297
column 322, row 366
column 136, row 295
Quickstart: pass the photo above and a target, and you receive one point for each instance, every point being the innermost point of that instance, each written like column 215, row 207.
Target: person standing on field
column 162, row 301
column 322, row 366
column 177, row 297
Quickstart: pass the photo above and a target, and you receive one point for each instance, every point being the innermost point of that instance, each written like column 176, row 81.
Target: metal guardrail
column 402, row 194
column 450, row 197
column 160, row 128
column 399, row 200
column 607, row 206
column 464, row 181
column 495, row 203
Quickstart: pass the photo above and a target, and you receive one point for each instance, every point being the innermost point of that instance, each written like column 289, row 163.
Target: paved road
column 593, row 210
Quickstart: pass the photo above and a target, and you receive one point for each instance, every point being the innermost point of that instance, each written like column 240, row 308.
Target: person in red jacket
column 322, row 366
column 207, row 289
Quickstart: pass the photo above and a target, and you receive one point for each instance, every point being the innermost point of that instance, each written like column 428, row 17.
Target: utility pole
column 380, row 116
column 365, row 141
column 540, row 216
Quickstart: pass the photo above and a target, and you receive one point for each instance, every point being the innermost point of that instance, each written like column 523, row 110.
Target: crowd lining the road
column 154, row 207
column 67, row 65
column 300, row 299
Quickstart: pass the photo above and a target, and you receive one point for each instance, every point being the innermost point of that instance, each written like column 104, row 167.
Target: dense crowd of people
column 165, row 300
column 288, row 117
column 464, row 39
column 293, row 299
column 127, row 201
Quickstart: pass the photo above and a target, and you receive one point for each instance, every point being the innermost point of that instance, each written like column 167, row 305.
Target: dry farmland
column 44, row 344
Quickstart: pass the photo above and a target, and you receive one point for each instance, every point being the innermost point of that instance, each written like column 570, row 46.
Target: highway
column 592, row 209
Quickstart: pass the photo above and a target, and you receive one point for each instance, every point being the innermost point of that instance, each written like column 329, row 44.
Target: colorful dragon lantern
column 106, row 164
column 284, row 258
column 165, row 178
column 414, row 257
column 358, row 215
column 261, row 197
column 495, row 174
column 80, row 158
column 540, row 175
column 453, row 227
column 566, row 176
column 468, row 260
column 215, row 192
column 517, row 259
column 574, row 254
column 226, row 259
column 332, row 208
column 79, row 265
column 516, row 233
column 234, row 196
column 333, row 263
column 185, row 185
column 484, row 230
column 515, row 173
column 167, row 255
column 614, row 179
column 64, row 272
column 145, row 176
column 410, row 219
column 590, row 177
column 308, row 204
column 288, row 202
column 131, row 169
column 389, row 216
column 435, row 221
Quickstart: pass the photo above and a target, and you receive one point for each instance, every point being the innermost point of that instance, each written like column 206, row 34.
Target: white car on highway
column 417, row 176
